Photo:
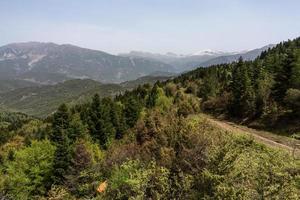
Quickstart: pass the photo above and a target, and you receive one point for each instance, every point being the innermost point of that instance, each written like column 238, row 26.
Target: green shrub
column 134, row 180
column 30, row 171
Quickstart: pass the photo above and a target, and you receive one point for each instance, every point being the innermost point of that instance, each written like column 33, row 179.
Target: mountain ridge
column 204, row 58
column 249, row 55
column 50, row 63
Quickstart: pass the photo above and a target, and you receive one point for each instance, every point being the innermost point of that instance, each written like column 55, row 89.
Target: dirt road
column 268, row 138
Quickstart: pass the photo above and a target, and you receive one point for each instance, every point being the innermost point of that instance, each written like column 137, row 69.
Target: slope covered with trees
column 266, row 90
column 151, row 143
column 42, row 100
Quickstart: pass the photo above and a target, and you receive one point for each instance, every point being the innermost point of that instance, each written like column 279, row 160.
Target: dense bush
column 30, row 171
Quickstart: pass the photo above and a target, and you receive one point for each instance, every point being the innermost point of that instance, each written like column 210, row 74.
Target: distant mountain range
column 179, row 62
column 49, row 63
column 204, row 58
column 248, row 55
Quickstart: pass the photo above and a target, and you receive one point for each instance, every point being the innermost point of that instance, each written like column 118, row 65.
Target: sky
column 160, row 26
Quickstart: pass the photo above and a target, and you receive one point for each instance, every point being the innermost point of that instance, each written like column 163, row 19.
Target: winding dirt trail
column 270, row 139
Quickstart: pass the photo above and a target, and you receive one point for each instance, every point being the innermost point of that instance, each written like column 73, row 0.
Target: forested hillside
column 9, row 85
column 153, row 143
column 42, row 100
column 266, row 90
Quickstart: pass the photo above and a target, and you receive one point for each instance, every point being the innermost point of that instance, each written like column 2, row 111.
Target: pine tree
column 151, row 101
column 61, row 162
column 263, row 82
column 59, row 137
column 77, row 129
column 209, row 86
column 108, row 130
column 118, row 119
column 100, row 124
column 60, row 123
column 283, row 77
column 95, row 117
column 142, row 92
column 243, row 103
column 132, row 112
column 295, row 76
column 236, row 88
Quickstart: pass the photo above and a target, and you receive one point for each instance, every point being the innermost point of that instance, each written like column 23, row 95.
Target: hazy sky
column 180, row 26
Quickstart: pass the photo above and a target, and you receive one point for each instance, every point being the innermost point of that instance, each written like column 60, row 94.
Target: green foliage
column 184, row 109
column 118, row 119
column 132, row 112
column 263, row 84
column 152, row 98
column 48, row 97
column 77, row 129
column 100, row 124
column 170, row 89
column 209, row 89
column 9, row 123
column 295, row 77
column 60, row 124
column 149, row 143
column 59, row 136
column 250, row 91
column 59, row 193
column 82, row 174
column 133, row 180
column 292, row 99
column 163, row 101
column 242, row 91
column 29, row 174
column 62, row 158
column 242, row 169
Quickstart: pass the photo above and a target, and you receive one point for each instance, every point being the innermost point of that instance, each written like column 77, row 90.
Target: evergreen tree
column 295, row 76
column 108, row 129
column 152, row 97
column 142, row 92
column 60, row 123
column 283, row 77
column 77, row 128
column 263, row 82
column 95, row 117
column 100, row 124
column 209, row 86
column 61, row 162
column 236, row 88
column 243, row 95
column 59, row 137
column 118, row 119
column 132, row 112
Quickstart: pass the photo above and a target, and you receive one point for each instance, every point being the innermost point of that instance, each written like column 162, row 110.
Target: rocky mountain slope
column 49, row 63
